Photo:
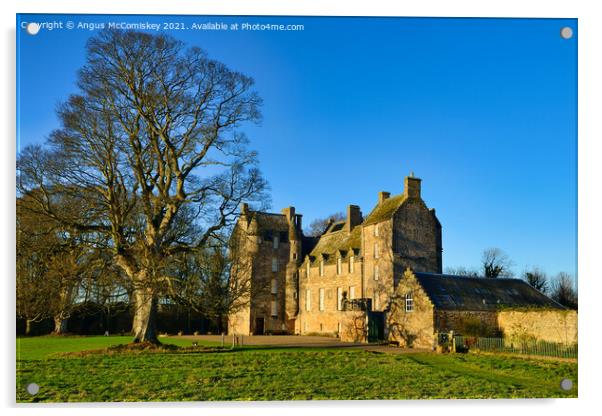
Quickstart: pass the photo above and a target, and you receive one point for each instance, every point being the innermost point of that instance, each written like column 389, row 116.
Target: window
column 351, row 292
column 339, row 299
column 409, row 302
column 376, row 230
column 321, row 268
column 376, row 272
column 351, row 265
column 339, row 265
column 308, row 266
column 376, row 302
column 321, row 299
column 376, row 251
column 276, row 241
column 274, row 308
column 274, row 264
column 308, row 300
column 274, row 286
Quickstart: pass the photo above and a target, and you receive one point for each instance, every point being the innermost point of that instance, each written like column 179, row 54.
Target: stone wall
column 413, row 328
column 256, row 260
column 471, row 323
column 378, row 263
column 354, row 326
column 547, row 325
column 416, row 238
column 329, row 320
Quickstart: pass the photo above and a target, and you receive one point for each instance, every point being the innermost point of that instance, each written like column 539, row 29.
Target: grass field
column 273, row 374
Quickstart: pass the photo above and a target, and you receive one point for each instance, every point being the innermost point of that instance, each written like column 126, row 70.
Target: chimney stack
column 289, row 213
column 354, row 217
column 412, row 187
column 291, row 218
column 382, row 196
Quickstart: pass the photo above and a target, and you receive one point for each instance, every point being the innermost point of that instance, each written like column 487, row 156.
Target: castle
column 306, row 285
column 375, row 278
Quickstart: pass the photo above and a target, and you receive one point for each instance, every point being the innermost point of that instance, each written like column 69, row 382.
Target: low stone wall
column 354, row 326
column 475, row 323
column 545, row 325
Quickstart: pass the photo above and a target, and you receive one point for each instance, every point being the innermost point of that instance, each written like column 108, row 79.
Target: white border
column 590, row 209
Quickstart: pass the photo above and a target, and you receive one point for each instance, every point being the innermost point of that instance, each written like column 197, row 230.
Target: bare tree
column 207, row 283
column 51, row 264
column 496, row 263
column 149, row 152
column 319, row 225
column 563, row 290
column 537, row 278
column 462, row 271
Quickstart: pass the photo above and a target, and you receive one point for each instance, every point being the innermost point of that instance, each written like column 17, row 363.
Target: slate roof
column 269, row 221
column 449, row 292
column 307, row 245
column 331, row 242
column 385, row 210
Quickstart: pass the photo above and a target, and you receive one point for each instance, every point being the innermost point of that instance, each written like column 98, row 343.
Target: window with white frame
column 321, row 299
column 321, row 268
column 308, row 300
column 376, row 272
column 274, row 264
column 376, row 251
column 276, row 241
column 339, row 265
column 274, row 286
column 274, row 308
column 351, row 264
column 376, row 230
column 339, row 299
column 409, row 302
column 308, row 266
column 351, row 292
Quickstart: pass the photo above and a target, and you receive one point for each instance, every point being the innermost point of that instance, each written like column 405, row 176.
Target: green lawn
column 274, row 374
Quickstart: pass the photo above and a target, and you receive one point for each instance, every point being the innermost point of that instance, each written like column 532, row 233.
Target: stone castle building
column 363, row 279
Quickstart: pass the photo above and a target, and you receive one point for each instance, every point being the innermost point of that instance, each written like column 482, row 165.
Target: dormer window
column 308, row 266
column 321, row 268
column 351, row 264
column 339, row 265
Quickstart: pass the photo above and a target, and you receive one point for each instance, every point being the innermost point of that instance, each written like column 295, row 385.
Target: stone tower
column 291, row 286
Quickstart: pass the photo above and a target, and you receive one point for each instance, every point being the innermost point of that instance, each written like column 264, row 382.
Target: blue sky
column 483, row 110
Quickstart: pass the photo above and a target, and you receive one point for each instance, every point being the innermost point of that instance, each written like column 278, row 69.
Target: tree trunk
column 60, row 325
column 144, row 326
column 28, row 323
